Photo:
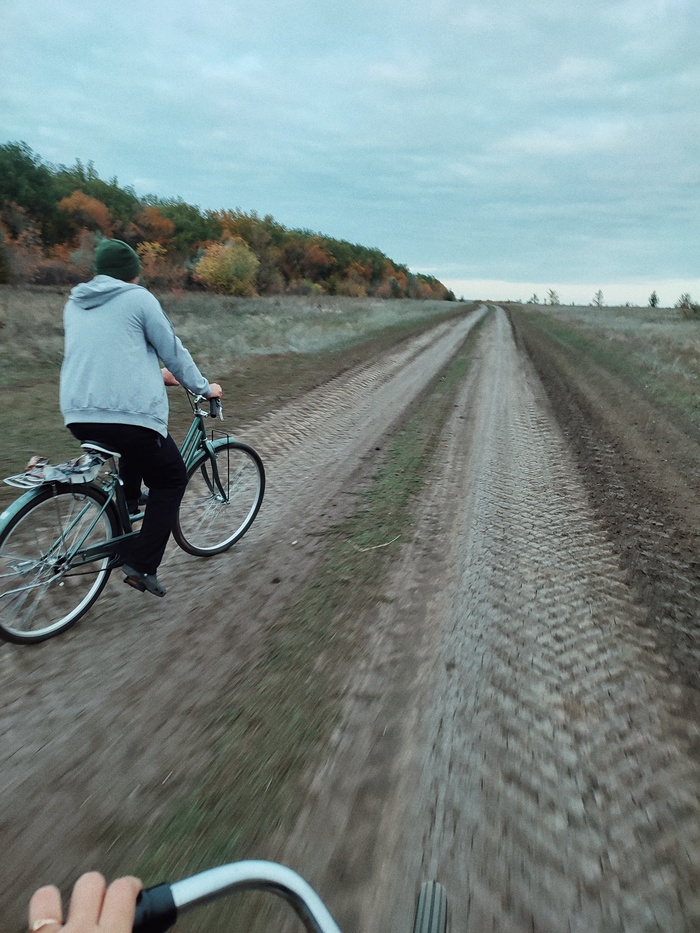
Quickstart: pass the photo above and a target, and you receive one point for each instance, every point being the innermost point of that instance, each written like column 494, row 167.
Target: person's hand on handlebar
column 215, row 390
column 94, row 907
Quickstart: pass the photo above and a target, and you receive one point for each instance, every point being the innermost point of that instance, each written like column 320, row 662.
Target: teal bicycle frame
column 193, row 446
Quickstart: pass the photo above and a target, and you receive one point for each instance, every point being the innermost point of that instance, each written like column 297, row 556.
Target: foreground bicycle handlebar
column 159, row 907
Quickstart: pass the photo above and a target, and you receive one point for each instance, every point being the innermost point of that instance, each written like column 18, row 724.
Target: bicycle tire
column 41, row 594
column 207, row 523
column 431, row 910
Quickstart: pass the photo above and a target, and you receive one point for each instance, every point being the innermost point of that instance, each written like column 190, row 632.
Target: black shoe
column 143, row 582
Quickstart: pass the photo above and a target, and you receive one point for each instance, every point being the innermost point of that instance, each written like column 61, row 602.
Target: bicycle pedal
column 135, row 584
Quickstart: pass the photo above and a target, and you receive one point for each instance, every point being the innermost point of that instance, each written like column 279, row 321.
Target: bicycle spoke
column 40, row 592
column 221, row 500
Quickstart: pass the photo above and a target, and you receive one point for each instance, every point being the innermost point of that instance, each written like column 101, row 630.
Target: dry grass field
column 261, row 350
column 656, row 349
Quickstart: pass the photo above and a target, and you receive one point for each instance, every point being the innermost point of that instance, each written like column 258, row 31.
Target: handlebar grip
column 155, row 910
column 215, row 408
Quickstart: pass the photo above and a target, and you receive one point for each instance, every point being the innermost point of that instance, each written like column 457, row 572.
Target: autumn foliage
column 87, row 213
column 52, row 217
column 229, row 268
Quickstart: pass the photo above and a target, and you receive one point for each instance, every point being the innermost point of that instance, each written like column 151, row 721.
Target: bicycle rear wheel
column 431, row 912
column 212, row 515
column 43, row 590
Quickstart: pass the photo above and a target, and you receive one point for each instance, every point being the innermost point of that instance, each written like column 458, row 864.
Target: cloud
column 408, row 73
column 570, row 138
column 518, row 140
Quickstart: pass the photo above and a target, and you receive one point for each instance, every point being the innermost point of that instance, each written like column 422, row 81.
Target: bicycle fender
column 222, row 441
column 15, row 507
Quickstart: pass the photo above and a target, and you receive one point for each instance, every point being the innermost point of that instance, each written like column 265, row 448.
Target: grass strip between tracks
column 285, row 708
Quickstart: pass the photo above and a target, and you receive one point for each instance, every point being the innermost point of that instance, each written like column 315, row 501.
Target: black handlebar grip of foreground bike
column 215, row 408
column 155, row 910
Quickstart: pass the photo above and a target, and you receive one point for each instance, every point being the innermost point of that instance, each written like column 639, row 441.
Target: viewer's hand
column 215, row 390
column 168, row 378
column 94, row 907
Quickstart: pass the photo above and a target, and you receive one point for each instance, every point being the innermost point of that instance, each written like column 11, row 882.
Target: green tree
column 598, row 299
column 653, row 300
column 26, row 182
column 192, row 227
column 553, row 297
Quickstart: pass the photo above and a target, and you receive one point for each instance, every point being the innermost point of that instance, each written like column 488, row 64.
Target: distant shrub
column 56, row 272
column 304, row 287
column 229, row 268
column 157, row 270
column 351, row 288
column 688, row 308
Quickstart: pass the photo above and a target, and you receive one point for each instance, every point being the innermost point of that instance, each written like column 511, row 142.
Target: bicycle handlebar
column 216, row 409
column 158, row 907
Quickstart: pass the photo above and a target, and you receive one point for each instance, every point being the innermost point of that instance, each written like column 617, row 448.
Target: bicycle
column 158, row 907
column 60, row 541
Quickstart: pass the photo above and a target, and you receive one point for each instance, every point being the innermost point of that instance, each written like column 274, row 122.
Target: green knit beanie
column 118, row 259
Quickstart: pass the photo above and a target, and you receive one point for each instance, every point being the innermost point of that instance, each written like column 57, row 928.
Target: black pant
column 149, row 457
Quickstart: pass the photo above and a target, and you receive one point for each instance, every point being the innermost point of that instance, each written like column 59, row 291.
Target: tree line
column 685, row 303
column 52, row 217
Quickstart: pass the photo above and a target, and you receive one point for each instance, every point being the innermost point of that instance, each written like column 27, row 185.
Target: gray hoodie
column 115, row 335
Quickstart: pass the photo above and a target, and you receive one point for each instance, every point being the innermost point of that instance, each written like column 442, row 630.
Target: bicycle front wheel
column 44, row 588
column 222, row 498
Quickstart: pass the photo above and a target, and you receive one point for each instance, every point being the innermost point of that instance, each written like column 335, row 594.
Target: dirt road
column 517, row 728
column 517, row 734
column 104, row 727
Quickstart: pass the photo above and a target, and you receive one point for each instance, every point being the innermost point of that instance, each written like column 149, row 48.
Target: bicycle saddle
column 98, row 448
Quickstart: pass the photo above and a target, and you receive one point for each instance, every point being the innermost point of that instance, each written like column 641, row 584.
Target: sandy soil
column 523, row 725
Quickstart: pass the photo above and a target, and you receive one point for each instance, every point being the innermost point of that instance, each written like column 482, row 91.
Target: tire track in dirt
column 641, row 464
column 514, row 733
column 330, row 425
column 581, row 800
column 105, row 726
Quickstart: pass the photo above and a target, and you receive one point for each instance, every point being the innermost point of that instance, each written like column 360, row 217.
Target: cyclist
column 94, row 907
column 112, row 392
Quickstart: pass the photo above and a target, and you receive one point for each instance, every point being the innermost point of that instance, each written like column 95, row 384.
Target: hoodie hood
column 99, row 291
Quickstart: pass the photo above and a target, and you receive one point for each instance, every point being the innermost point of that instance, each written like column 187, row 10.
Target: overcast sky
column 505, row 147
